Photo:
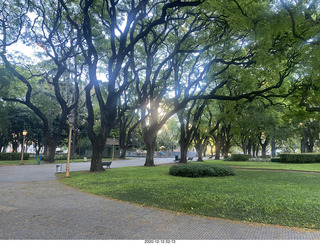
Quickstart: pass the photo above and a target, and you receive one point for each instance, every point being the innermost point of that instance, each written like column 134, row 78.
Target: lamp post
column 24, row 133
column 71, row 119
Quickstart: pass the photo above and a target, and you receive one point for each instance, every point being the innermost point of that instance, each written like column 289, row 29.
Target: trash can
column 58, row 168
column 176, row 158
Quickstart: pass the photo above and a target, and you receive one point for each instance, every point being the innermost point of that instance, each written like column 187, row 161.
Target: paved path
column 33, row 205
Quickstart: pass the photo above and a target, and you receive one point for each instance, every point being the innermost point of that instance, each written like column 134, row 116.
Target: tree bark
column 97, row 151
column 303, row 145
column 184, row 151
column 264, row 150
column 51, row 146
column 217, row 146
column 199, row 148
column 273, row 148
column 150, row 142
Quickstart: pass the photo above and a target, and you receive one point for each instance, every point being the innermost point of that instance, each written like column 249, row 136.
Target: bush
column 238, row 157
column 13, row 156
column 276, row 160
column 300, row 158
column 201, row 170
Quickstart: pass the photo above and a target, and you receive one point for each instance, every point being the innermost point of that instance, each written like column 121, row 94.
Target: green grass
column 269, row 165
column 281, row 198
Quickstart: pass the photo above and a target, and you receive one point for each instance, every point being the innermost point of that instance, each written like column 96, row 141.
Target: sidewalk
column 35, row 207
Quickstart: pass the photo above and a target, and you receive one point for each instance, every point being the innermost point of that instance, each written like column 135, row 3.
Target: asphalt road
column 34, row 206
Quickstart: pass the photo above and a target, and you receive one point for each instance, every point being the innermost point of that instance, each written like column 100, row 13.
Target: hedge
column 238, row 157
column 276, row 160
column 13, row 156
column 300, row 158
column 201, row 170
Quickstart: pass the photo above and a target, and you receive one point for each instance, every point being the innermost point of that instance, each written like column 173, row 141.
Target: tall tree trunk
column 264, row 150
column 199, row 148
column 97, row 151
column 254, row 150
column 249, row 146
column 244, row 146
column 217, row 147
column 264, row 146
column 51, row 146
column 150, row 142
column 123, row 151
column 273, row 148
column 184, row 151
column 122, row 136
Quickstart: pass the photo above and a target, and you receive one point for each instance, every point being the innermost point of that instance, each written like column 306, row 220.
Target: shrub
column 13, row 156
column 201, row 170
column 276, row 160
column 300, row 158
column 238, row 157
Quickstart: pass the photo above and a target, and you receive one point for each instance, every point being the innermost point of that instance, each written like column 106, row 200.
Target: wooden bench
column 106, row 163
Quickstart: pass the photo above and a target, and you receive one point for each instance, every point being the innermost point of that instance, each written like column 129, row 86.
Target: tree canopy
column 137, row 63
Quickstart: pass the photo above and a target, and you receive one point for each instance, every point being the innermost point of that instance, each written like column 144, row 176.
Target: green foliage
column 276, row 160
column 201, row 170
column 13, row 156
column 300, row 158
column 238, row 157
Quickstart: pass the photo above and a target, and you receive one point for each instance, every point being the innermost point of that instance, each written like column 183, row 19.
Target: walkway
column 33, row 205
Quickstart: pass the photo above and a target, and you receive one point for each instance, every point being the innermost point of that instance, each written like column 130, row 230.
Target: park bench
column 190, row 158
column 107, row 163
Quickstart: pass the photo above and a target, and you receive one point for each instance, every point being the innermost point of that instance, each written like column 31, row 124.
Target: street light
column 71, row 119
column 24, row 133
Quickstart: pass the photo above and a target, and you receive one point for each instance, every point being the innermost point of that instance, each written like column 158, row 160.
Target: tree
column 58, row 45
column 189, row 120
column 4, row 126
column 116, row 45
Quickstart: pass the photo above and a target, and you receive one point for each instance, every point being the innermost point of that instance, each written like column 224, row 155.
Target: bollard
column 58, row 168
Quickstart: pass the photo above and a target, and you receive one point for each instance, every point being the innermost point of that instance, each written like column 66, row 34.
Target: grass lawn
column 269, row 165
column 281, row 198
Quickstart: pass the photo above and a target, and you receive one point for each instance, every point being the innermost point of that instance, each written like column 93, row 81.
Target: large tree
column 108, row 33
column 57, row 48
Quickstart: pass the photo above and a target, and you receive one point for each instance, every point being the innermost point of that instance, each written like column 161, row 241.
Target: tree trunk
column 253, row 150
column 257, row 150
column 184, row 151
column 122, row 138
column 249, row 146
column 273, row 148
column 97, row 151
column 264, row 150
column 303, row 145
column 226, row 148
column 218, row 148
column 150, row 145
column 123, row 152
column 244, row 146
column 199, row 149
column 51, row 147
